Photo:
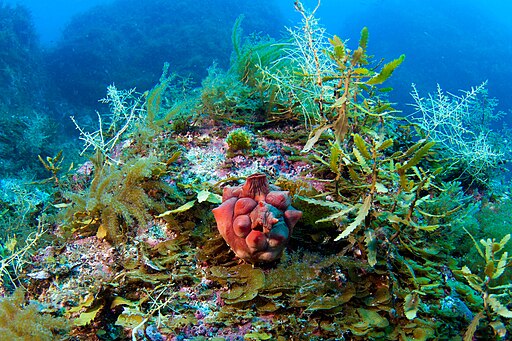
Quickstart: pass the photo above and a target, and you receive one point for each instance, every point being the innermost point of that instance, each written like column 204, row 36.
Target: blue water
column 456, row 43
column 51, row 16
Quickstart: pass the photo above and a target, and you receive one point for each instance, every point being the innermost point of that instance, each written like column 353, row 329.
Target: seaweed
column 20, row 320
column 239, row 140
column 117, row 197
column 386, row 71
column 493, row 310
column 464, row 129
column 39, row 134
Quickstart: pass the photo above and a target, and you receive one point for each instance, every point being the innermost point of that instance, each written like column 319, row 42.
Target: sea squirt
column 255, row 220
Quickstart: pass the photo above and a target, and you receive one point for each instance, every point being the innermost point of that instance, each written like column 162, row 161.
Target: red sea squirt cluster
column 256, row 221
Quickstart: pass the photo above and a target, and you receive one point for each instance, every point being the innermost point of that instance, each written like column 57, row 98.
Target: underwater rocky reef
column 283, row 199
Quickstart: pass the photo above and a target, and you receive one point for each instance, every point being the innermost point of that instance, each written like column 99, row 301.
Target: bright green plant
column 164, row 103
column 250, row 53
column 225, row 97
column 379, row 179
column 241, row 94
column 355, row 102
column 239, row 140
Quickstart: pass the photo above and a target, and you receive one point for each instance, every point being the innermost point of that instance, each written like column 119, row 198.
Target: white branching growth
column 305, row 89
column 13, row 259
column 458, row 124
column 126, row 108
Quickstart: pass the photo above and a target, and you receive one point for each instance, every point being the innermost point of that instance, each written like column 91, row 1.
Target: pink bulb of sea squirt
column 244, row 206
column 292, row 216
column 224, row 217
column 257, row 241
column 279, row 199
column 255, row 221
column 242, row 225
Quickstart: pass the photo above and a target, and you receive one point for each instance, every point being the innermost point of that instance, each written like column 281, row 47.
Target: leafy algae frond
column 324, row 81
